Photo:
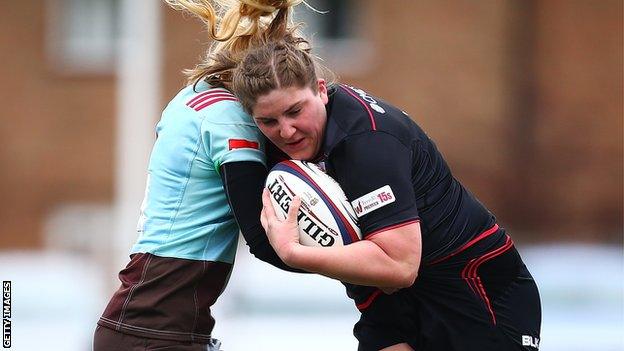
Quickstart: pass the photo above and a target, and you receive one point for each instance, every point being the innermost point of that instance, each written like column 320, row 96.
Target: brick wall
column 523, row 97
column 56, row 129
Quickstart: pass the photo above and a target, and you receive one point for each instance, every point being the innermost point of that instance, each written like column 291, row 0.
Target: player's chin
column 303, row 154
column 307, row 153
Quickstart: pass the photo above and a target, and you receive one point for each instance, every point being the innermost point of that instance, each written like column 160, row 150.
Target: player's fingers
column 267, row 208
column 293, row 209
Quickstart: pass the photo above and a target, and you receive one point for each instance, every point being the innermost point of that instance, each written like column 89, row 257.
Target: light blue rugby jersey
column 185, row 213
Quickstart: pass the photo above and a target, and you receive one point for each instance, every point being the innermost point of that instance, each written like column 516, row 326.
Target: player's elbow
column 401, row 277
column 406, row 277
column 406, row 273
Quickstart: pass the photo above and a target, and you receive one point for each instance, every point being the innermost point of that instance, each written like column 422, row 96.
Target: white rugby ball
column 325, row 217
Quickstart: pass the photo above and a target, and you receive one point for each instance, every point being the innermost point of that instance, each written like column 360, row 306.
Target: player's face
column 293, row 119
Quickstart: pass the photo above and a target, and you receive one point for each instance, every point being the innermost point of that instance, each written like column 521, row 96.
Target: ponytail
column 235, row 26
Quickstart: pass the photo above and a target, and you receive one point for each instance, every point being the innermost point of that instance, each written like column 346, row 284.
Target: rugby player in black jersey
column 435, row 271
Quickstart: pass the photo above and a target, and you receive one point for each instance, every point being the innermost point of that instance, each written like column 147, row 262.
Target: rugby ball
column 325, row 217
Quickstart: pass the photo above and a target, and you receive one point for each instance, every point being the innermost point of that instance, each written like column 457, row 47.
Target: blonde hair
column 235, row 26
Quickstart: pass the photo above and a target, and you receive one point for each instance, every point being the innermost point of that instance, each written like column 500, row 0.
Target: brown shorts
column 109, row 340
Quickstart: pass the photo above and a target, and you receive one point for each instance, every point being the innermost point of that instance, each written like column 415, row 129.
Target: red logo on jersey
column 242, row 144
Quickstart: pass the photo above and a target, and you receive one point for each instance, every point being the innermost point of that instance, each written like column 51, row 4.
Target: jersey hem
column 152, row 333
column 393, row 226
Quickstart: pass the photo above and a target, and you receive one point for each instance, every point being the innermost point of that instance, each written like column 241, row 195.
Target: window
column 335, row 33
column 82, row 35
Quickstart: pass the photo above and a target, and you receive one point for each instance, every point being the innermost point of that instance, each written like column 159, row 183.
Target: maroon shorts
column 166, row 298
column 109, row 340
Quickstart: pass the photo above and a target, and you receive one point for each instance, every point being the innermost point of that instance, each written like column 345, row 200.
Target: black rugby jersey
column 394, row 175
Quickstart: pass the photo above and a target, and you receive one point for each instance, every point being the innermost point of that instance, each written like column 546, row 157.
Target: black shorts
column 483, row 298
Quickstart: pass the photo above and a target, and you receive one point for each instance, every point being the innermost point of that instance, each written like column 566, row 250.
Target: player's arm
column 389, row 258
column 243, row 182
column 237, row 147
column 390, row 254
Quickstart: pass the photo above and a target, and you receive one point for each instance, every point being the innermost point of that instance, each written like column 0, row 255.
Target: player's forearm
column 362, row 263
column 243, row 183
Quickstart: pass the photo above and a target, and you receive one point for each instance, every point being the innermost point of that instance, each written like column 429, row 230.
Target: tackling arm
column 243, row 183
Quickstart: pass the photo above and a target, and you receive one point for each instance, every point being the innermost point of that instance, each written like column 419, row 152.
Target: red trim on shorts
column 481, row 236
column 394, row 226
column 364, row 305
column 469, row 274
column 370, row 113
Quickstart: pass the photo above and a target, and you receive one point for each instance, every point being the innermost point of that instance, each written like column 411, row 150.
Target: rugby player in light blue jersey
column 205, row 179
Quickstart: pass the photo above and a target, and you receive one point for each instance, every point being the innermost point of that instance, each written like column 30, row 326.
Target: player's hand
column 283, row 235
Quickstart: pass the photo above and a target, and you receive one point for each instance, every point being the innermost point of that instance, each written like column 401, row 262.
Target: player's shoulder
column 367, row 122
column 206, row 102
column 357, row 111
column 202, row 98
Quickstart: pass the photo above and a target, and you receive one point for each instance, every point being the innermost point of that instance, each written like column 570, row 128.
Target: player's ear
column 322, row 90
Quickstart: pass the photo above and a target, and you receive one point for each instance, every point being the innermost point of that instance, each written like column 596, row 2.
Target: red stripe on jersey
column 209, row 92
column 242, row 144
column 213, row 101
column 210, row 97
column 370, row 113
column 483, row 235
column 201, row 99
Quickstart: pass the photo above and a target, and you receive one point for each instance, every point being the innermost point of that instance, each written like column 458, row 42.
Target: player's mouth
column 295, row 145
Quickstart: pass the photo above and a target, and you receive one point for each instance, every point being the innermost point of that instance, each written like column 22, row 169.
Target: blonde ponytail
column 235, row 26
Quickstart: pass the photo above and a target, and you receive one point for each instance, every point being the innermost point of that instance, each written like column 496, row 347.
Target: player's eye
column 267, row 122
column 294, row 112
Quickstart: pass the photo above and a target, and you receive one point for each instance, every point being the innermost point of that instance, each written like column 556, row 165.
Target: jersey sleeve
column 375, row 171
column 243, row 183
column 230, row 135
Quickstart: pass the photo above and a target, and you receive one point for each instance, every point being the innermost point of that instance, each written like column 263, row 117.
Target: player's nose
column 287, row 130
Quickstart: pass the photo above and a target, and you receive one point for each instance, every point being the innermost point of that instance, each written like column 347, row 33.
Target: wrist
column 288, row 253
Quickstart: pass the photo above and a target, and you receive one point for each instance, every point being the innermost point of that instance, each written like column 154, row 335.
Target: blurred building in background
column 524, row 98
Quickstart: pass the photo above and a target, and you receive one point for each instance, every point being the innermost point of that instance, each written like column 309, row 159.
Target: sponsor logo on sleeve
column 374, row 200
